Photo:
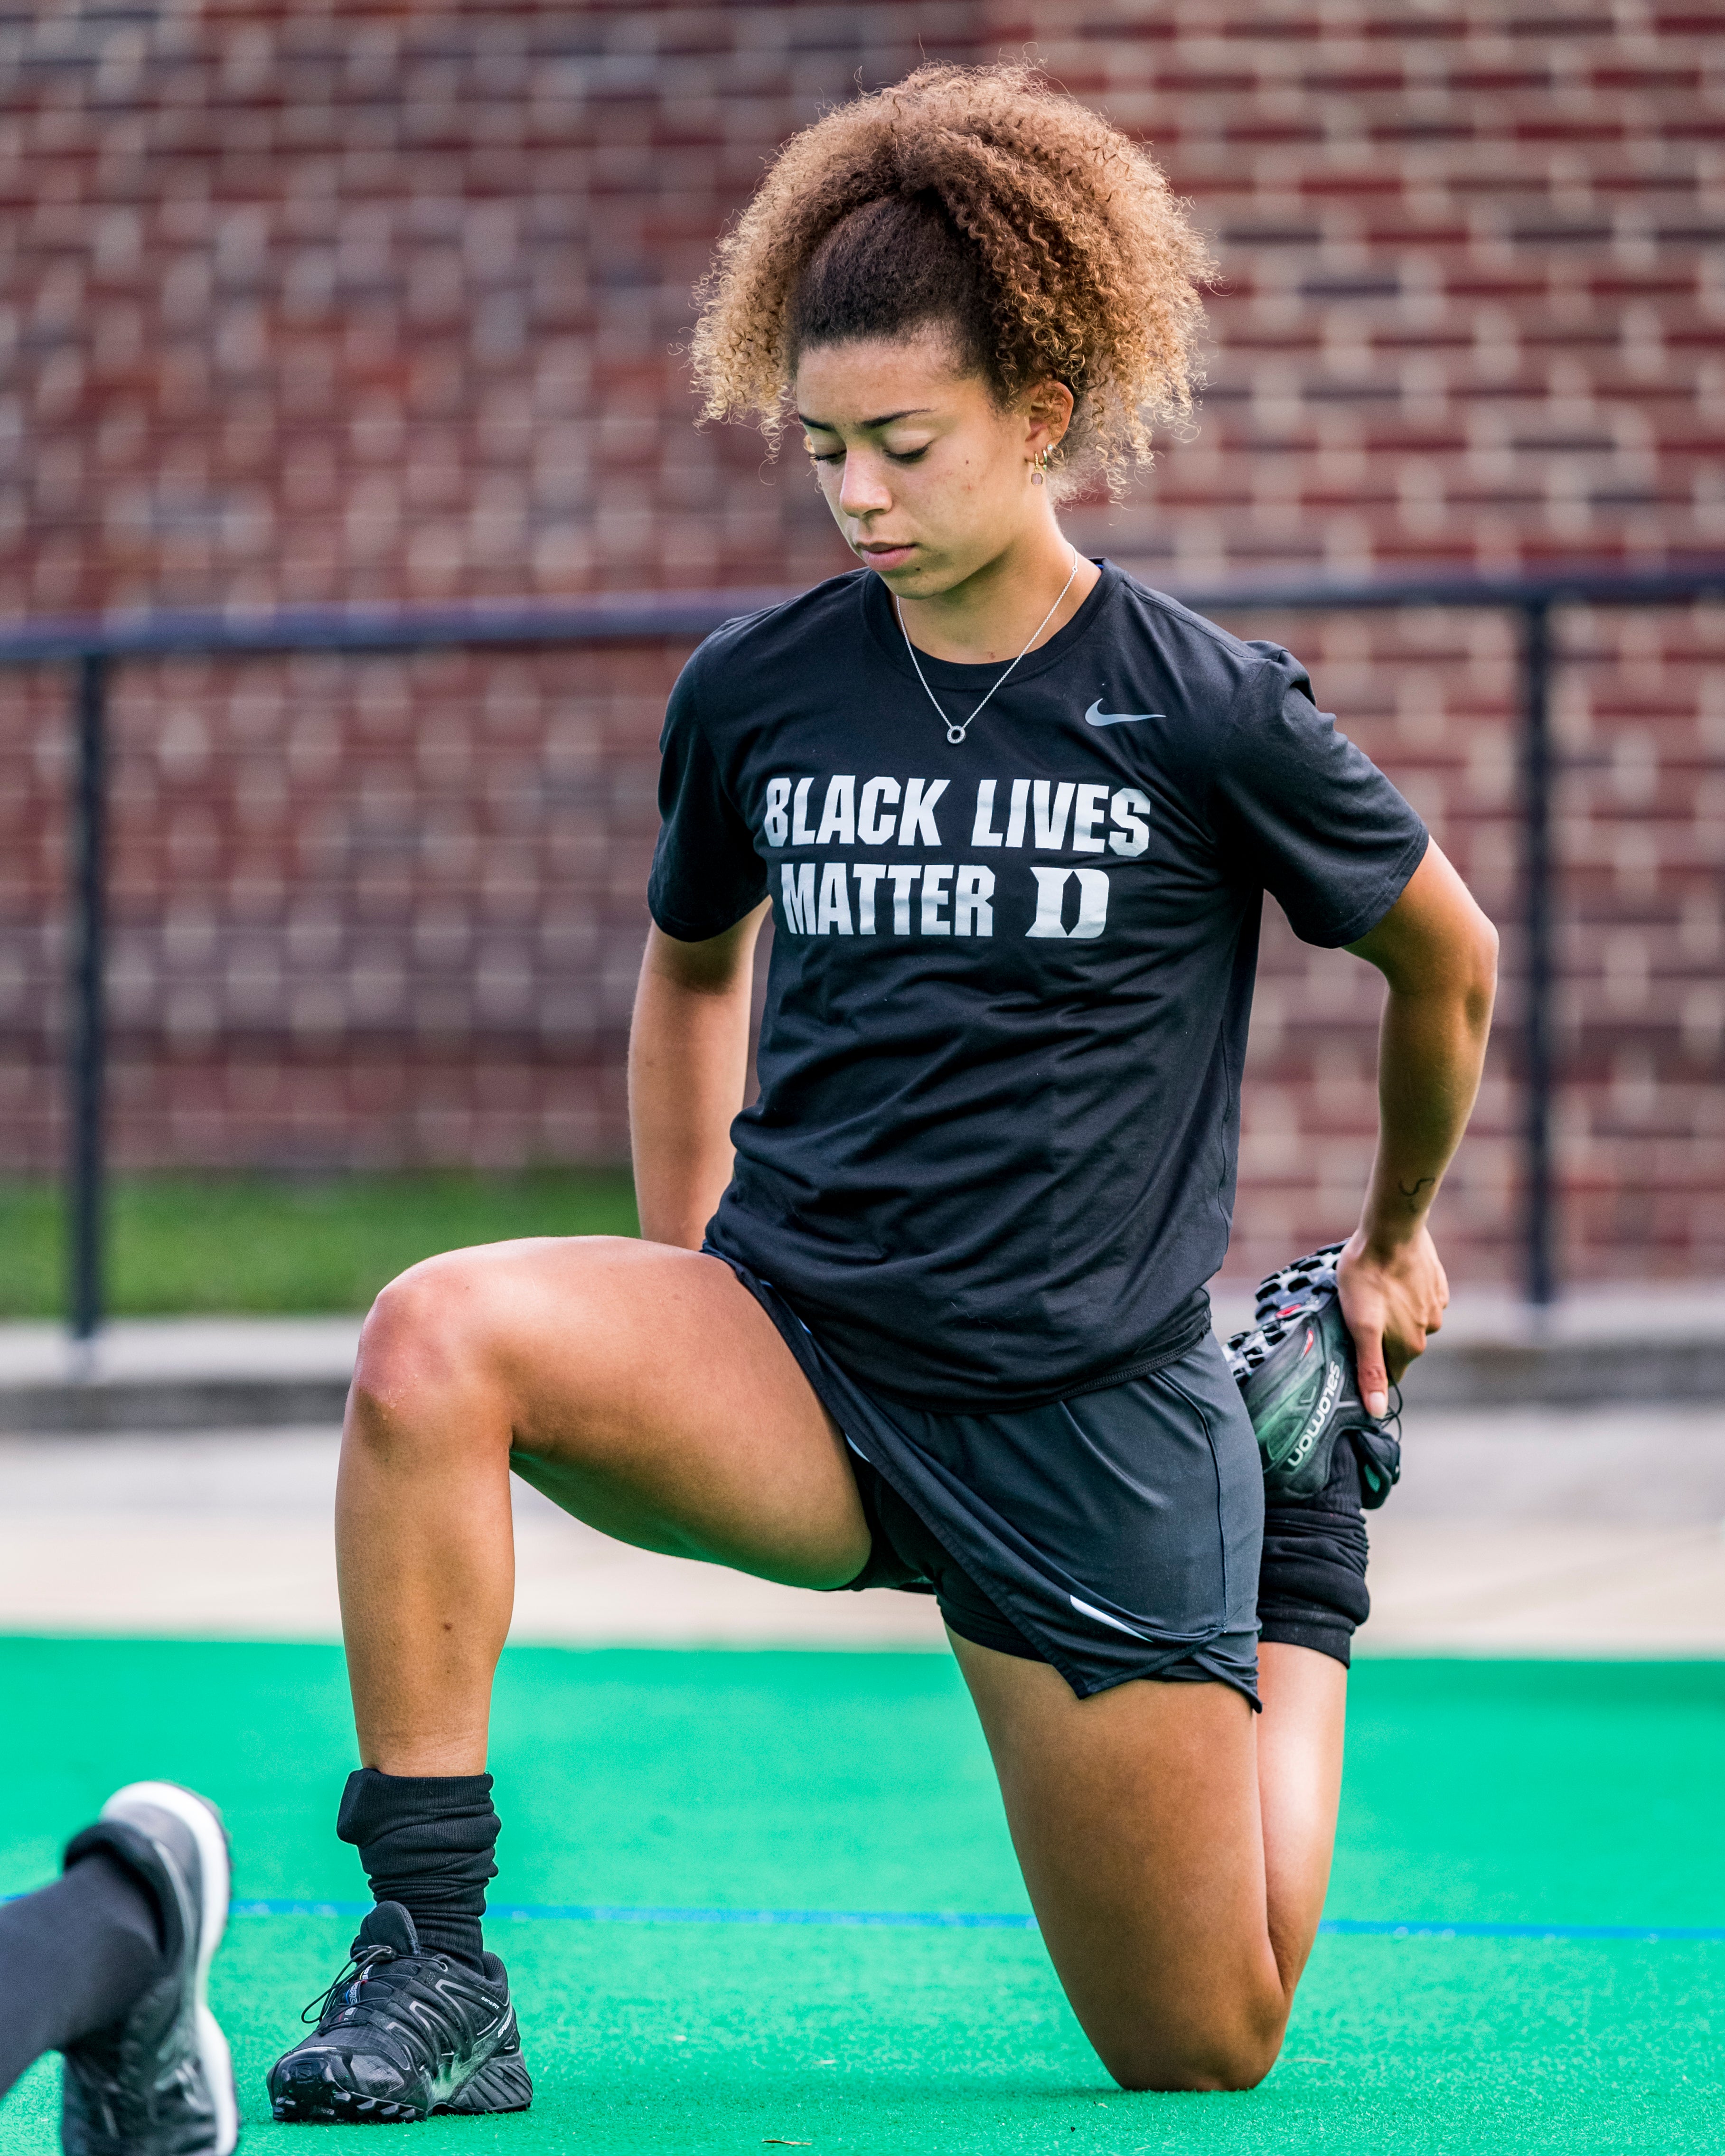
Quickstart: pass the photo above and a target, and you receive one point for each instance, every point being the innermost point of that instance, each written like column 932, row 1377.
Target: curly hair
column 979, row 199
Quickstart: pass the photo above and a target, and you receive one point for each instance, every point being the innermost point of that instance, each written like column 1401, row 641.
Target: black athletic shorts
column 1115, row 1534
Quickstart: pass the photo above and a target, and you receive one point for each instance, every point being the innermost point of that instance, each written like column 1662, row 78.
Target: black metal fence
column 91, row 649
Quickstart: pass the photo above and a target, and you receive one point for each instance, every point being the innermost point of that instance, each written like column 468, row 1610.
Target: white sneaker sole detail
column 205, row 1831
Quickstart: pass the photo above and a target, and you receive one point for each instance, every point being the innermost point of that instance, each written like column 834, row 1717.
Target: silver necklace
column 955, row 732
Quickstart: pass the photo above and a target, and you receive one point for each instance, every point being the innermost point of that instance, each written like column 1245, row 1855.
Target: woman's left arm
column 1439, row 954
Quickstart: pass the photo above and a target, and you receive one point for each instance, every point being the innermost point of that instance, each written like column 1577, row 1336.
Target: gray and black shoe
column 1295, row 1371
column 160, row 2083
column 401, row 2034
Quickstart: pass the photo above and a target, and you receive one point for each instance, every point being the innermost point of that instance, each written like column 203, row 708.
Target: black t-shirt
column 993, row 1159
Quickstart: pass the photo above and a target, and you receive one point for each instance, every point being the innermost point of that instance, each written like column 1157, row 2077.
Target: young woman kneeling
column 930, row 1315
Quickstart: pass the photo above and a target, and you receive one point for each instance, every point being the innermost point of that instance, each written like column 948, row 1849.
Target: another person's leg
column 1176, row 1853
column 73, row 1957
column 108, row 1965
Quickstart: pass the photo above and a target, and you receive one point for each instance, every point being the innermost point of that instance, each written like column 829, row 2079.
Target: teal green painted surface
column 1568, row 1794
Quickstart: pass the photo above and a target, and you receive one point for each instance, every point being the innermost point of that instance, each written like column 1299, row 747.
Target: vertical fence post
column 1540, row 1274
column 88, row 1047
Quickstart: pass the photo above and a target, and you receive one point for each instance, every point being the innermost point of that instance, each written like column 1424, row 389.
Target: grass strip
column 185, row 1245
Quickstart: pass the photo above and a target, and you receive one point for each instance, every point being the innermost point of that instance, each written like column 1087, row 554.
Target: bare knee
column 1194, row 2059
column 424, row 1344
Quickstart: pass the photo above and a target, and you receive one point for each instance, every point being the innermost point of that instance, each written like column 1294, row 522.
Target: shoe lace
column 358, row 1966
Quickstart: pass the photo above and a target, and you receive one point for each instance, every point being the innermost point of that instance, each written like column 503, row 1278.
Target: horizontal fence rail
column 90, row 649
column 628, row 617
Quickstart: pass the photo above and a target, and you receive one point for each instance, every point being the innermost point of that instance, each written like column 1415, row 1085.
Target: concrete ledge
column 263, row 1403
column 1601, row 1345
column 177, row 1374
column 1532, row 1530
column 1568, row 1373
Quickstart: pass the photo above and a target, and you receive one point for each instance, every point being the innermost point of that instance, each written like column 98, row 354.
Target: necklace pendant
column 955, row 732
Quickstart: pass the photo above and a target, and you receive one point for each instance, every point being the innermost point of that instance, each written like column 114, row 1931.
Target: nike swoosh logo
column 1096, row 716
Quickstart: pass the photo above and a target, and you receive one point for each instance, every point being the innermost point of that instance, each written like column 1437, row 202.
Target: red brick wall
column 1471, row 316
column 311, row 305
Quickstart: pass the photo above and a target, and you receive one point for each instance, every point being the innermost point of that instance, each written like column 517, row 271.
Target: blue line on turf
column 985, row 1921
column 601, row 1913
column 970, row 1920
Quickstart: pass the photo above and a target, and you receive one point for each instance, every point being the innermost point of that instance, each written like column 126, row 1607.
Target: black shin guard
column 1311, row 1584
column 426, row 1841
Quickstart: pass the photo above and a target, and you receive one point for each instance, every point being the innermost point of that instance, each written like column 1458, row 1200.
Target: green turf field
column 1568, row 1794
column 180, row 1246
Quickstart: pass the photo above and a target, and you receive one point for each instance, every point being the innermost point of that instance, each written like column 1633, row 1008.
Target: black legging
column 73, row 1960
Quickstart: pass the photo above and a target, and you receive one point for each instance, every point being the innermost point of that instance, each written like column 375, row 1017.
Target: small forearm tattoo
column 1415, row 1199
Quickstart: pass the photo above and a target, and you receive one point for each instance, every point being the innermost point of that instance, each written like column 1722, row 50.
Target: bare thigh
column 640, row 1387
column 1135, row 1814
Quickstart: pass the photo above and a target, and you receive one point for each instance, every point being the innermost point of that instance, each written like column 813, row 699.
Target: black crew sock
column 1311, row 1584
column 426, row 1841
column 73, row 1959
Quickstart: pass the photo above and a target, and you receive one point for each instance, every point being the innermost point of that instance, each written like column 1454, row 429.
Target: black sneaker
column 402, row 2034
column 1296, row 1373
column 160, row 2083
